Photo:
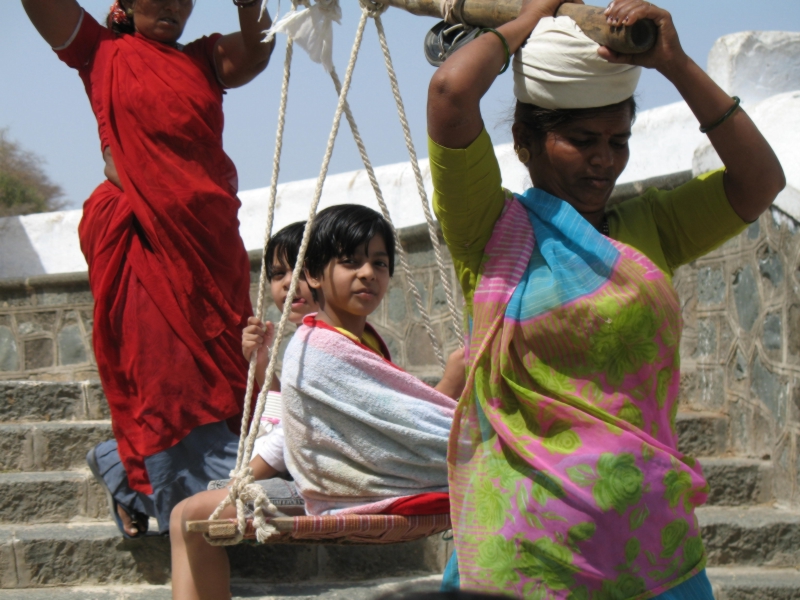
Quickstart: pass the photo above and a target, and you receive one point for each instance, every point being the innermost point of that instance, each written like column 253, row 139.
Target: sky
column 44, row 107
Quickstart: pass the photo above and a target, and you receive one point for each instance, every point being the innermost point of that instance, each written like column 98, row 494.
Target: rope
column 243, row 489
column 452, row 11
column 400, row 251
column 273, row 192
column 444, row 273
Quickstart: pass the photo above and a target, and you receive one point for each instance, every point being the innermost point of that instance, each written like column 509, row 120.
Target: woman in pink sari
column 167, row 266
column 566, row 481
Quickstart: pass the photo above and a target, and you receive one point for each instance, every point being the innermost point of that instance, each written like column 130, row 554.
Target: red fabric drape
column 167, row 266
column 433, row 503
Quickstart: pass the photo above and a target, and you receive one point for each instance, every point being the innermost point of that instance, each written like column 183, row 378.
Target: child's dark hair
column 284, row 246
column 340, row 230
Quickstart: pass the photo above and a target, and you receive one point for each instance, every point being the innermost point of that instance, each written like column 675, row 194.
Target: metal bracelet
column 505, row 47
column 736, row 102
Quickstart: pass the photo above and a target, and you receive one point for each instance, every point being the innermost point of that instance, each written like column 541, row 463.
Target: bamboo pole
column 493, row 13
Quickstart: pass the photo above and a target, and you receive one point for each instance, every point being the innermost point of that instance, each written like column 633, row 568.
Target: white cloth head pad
column 559, row 68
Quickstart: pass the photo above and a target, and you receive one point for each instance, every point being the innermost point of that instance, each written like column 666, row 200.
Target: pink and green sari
column 565, row 477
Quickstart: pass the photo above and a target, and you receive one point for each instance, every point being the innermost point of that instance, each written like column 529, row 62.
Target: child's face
column 279, row 286
column 356, row 284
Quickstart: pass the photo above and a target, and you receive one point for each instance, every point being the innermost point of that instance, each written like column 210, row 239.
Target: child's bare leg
column 200, row 571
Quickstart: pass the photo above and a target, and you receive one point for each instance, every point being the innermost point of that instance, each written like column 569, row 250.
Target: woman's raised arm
column 55, row 20
column 754, row 176
column 241, row 56
column 456, row 89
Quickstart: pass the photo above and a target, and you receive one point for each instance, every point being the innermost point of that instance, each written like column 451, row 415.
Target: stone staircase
column 57, row 541
column 55, row 530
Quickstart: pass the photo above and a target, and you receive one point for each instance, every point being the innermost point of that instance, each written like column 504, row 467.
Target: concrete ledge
column 77, row 279
column 410, row 237
column 626, row 191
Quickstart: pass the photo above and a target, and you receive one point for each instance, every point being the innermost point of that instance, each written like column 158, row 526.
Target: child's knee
column 176, row 517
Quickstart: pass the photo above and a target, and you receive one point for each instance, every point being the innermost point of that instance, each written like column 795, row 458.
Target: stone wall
column 46, row 321
column 740, row 351
column 46, row 328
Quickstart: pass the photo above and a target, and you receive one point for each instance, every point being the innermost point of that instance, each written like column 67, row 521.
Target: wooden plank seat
column 336, row 529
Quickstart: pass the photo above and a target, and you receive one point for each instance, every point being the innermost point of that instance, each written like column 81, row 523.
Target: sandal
column 139, row 521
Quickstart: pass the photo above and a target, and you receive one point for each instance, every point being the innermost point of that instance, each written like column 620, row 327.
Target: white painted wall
column 763, row 68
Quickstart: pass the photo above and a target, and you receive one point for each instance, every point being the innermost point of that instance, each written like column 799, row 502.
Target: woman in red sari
column 167, row 266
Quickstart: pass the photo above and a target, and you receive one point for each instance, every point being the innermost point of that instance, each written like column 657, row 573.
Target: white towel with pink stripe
column 360, row 432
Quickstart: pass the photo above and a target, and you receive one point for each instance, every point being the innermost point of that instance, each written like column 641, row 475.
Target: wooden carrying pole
column 493, row 13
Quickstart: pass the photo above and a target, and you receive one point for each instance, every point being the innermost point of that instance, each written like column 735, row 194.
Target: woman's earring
column 523, row 154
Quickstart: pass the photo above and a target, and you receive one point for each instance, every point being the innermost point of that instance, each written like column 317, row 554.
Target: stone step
column 52, row 401
column 53, row 446
column 728, row 584
column 702, row 433
column 91, row 554
column 753, row 583
column 51, row 497
column 738, row 481
column 62, row 496
column 750, row 536
column 366, row 590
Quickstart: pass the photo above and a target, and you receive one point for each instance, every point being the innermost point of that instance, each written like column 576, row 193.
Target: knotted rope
column 402, row 257
column 452, row 11
column 444, row 273
column 243, row 489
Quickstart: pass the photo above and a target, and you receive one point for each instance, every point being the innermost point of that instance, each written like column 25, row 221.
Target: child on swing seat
column 361, row 434
column 281, row 257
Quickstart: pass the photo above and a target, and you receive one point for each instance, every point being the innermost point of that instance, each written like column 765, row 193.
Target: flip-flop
column 139, row 520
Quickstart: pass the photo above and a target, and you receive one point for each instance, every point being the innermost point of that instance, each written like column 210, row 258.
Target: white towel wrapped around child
column 360, row 432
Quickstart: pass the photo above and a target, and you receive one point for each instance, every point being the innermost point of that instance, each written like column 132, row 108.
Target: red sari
column 167, row 266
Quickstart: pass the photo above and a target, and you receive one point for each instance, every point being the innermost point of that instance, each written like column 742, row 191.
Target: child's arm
column 262, row 469
column 455, row 375
column 259, row 335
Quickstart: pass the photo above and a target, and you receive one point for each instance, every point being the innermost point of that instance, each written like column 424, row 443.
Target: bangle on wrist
column 244, row 3
column 736, row 102
column 505, row 46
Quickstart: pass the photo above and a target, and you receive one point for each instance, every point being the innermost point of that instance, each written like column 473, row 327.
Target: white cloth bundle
column 559, row 68
column 312, row 29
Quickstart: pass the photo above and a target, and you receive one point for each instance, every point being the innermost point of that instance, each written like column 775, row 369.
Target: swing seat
column 336, row 529
column 340, row 529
